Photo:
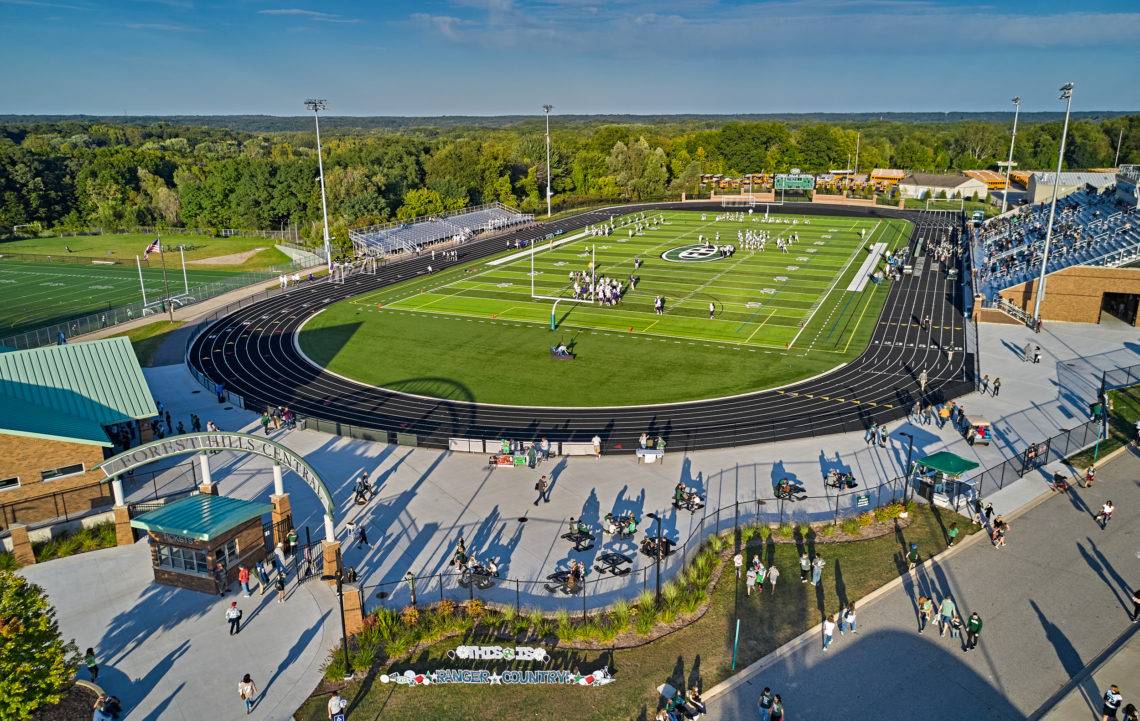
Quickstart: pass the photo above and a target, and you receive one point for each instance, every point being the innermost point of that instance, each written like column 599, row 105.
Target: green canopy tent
column 939, row 477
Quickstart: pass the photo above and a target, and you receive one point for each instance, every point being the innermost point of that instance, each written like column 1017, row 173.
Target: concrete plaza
column 163, row 648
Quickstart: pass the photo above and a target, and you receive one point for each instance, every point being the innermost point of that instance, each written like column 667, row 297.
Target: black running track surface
column 252, row 352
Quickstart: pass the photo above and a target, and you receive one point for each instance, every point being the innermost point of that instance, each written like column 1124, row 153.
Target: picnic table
column 583, row 541
column 614, row 563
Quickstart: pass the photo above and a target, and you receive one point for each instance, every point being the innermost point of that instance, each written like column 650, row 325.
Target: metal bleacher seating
column 1090, row 228
column 458, row 226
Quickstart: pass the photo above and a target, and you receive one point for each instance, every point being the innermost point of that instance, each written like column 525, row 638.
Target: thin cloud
column 446, row 25
column 161, row 27
column 42, row 4
column 314, row 15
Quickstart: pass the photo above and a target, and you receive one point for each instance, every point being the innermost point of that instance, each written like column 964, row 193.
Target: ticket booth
column 189, row 537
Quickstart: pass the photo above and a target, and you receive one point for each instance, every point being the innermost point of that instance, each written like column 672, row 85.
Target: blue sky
column 487, row 57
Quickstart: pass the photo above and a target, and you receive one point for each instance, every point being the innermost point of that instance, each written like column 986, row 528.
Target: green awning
column 202, row 517
column 948, row 463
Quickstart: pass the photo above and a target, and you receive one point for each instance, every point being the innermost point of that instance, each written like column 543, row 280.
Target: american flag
column 154, row 247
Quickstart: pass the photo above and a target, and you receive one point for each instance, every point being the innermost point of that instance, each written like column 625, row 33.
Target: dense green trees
column 75, row 174
column 36, row 665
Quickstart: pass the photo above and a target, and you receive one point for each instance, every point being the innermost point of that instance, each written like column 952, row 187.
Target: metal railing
column 290, row 233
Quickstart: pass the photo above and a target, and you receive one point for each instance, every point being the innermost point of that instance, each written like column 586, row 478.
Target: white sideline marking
column 526, row 251
column 860, row 279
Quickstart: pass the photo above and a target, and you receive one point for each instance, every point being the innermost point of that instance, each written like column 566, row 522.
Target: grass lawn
column 146, row 339
column 1121, row 425
column 474, row 332
column 699, row 652
column 123, row 247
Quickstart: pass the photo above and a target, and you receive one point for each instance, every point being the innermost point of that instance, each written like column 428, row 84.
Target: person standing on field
column 805, row 567
column 773, row 574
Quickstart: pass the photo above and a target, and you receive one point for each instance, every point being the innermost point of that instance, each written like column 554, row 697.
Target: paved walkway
column 166, row 652
column 1051, row 602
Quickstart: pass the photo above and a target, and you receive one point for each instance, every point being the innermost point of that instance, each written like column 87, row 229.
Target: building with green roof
column 61, row 410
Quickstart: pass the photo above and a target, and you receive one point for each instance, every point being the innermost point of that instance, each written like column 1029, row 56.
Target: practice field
column 475, row 332
column 235, row 254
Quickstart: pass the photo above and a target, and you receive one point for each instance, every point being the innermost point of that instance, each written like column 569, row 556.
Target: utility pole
column 317, row 105
column 546, row 109
column 1009, row 163
column 858, row 140
column 1067, row 96
column 1119, row 140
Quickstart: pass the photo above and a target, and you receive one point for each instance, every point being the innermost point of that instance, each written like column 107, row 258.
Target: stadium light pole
column 546, row 109
column 317, row 105
column 1119, row 140
column 1067, row 96
column 1009, row 163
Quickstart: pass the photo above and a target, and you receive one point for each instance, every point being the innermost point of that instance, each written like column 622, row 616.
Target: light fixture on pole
column 657, row 555
column 1067, row 96
column 546, row 109
column 317, row 105
column 1009, row 163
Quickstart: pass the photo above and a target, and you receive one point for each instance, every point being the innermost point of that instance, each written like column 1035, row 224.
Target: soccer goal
column 955, row 204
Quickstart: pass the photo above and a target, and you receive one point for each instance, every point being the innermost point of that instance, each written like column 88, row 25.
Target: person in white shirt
column 828, row 631
column 337, row 704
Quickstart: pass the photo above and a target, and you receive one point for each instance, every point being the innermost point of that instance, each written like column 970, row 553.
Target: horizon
column 494, row 58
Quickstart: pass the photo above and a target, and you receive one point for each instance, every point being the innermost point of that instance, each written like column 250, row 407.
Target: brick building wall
column 251, row 549
column 35, row 499
column 1075, row 294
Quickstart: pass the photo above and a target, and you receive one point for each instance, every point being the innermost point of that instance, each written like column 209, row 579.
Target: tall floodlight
column 546, row 109
column 1067, row 96
column 1119, row 140
column 1009, row 163
column 317, row 105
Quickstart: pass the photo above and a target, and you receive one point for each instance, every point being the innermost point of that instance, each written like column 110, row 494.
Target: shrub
column 670, row 592
column 828, row 531
column 716, row 543
column 785, row 530
column 410, row 615
column 363, row 657
column 564, row 629
column 644, row 620
column 764, row 532
column 475, row 609
column 883, row 514
column 850, row 526
column 335, row 669
column 537, row 621
column 8, row 562
column 866, row 519
column 446, row 607
column 398, row 646
column 619, row 617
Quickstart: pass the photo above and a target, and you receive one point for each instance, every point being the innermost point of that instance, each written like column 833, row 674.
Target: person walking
column 543, row 490
column 849, row 618
column 262, row 578
column 922, row 380
column 233, row 615
column 773, row 575
column 777, row 709
column 912, row 557
column 805, row 567
column 985, row 383
column 220, row 578
column 1105, row 514
column 765, row 703
column 92, row 667
column 712, row 310
column 952, row 534
column 279, row 584
column 265, row 421
column 243, row 579
column 1110, row 703
column 336, row 706
column 248, row 691
column 925, row 612
column 946, row 612
column 973, row 630
column 749, row 579
column 1036, row 354
column 872, row 434
column 738, row 563
column 828, row 631
column 597, row 442
column 882, row 436
column 816, row 570
column 1136, row 605
column 1027, row 354
column 362, row 537
column 997, row 387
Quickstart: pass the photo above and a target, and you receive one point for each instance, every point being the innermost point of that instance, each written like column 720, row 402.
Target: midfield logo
column 695, row 253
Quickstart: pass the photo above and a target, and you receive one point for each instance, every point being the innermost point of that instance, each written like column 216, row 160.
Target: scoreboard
column 794, row 180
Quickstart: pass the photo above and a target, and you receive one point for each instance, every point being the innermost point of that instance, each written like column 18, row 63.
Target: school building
column 63, row 409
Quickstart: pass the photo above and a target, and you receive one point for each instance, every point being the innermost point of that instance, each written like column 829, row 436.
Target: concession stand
column 189, row 537
column 938, row 479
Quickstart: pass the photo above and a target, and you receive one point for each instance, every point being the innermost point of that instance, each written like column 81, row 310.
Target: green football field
column 475, row 332
column 44, row 281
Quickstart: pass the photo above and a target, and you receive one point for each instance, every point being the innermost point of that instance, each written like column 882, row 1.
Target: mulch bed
column 75, row 706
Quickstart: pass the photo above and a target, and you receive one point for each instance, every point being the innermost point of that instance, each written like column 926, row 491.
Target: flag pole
column 142, row 286
column 165, row 281
column 185, row 282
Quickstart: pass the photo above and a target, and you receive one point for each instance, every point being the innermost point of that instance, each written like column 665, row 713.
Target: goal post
column 955, row 204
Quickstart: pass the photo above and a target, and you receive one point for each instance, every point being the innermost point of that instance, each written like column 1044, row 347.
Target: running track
column 252, row 352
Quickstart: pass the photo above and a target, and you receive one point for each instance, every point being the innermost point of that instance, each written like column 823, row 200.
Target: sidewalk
column 1051, row 601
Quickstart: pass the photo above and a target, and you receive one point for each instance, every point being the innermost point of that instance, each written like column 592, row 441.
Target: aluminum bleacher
column 1089, row 228
column 413, row 236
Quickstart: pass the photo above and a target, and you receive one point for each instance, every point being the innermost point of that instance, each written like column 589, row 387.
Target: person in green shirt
column 925, row 612
column 912, row 557
column 946, row 611
column 92, row 667
column 265, row 420
column 952, row 534
column 973, row 629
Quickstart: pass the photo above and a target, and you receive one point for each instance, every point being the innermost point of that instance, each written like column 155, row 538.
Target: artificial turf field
column 35, row 292
column 474, row 332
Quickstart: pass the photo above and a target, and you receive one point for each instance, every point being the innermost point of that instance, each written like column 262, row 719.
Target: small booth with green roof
column 939, row 479
column 191, row 536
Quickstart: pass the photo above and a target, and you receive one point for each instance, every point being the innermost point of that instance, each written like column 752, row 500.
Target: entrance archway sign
column 221, row 441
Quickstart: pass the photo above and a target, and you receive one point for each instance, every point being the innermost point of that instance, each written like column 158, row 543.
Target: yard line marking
column 761, row 325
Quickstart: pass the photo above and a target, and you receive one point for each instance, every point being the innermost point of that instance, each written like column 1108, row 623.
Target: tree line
column 76, row 174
